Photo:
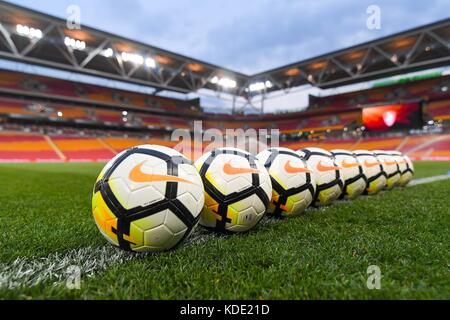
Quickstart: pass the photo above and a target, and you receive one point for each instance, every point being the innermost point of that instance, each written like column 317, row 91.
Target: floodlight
column 74, row 43
column 108, row 53
column 150, row 62
column 29, row 32
column 214, row 80
column 132, row 57
column 227, row 83
column 259, row 86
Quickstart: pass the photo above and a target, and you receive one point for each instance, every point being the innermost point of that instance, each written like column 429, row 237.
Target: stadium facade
column 49, row 119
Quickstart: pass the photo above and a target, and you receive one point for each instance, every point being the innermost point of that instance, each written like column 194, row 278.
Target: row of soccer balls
column 149, row 198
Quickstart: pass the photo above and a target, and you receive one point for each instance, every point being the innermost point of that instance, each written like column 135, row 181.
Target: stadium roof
column 102, row 54
column 32, row 37
column 416, row 49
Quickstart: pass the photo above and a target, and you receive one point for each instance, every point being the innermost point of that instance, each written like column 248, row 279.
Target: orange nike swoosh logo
column 290, row 169
column 136, row 175
column 402, row 162
column 371, row 164
column 321, row 167
column 390, row 163
column 346, row 164
column 229, row 169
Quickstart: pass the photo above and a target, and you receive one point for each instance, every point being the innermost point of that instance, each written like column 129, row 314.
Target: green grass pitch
column 45, row 210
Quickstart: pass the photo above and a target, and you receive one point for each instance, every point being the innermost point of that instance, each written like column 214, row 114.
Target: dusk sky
column 248, row 36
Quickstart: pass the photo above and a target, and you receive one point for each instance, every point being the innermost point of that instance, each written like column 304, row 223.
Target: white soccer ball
column 147, row 198
column 373, row 170
column 237, row 190
column 406, row 167
column 391, row 167
column 352, row 173
column 329, row 180
column 293, row 182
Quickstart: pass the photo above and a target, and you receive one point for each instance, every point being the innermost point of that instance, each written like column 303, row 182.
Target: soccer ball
column 391, row 167
column 329, row 181
column 405, row 166
column 237, row 190
column 147, row 198
column 373, row 170
column 352, row 172
column 293, row 183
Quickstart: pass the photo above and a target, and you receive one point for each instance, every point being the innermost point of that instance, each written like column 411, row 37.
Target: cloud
column 249, row 36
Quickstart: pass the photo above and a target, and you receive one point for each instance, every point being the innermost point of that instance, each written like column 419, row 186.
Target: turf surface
column 323, row 254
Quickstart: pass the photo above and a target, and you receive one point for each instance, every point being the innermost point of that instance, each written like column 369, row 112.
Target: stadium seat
column 109, row 116
column 431, row 147
column 414, row 142
column 55, row 88
column 439, row 110
column 15, row 147
column 385, row 94
column 14, row 106
column 120, row 144
column 380, row 143
column 83, row 149
column 440, row 150
column 71, row 146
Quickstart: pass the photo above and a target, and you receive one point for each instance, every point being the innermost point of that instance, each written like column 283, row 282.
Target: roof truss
column 420, row 48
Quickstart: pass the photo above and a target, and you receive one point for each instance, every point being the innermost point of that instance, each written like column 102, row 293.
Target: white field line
column 416, row 182
column 24, row 272
column 54, row 268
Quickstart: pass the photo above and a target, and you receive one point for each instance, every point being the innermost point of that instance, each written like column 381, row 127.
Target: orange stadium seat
column 236, row 125
column 274, row 125
column 338, row 144
column 288, row 125
column 431, row 147
column 381, row 143
column 58, row 87
column 12, row 106
column 34, row 147
column 439, row 110
column 53, row 87
column 111, row 116
column 120, row 144
column 70, row 147
column 150, row 120
column 26, row 82
column 178, row 123
column 11, row 80
column 100, row 97
column 296, row 145
column 16, row 147
column 83, row 149
column 327, row 144
column 212, row 124
column 414, row 142
column 349, row 117
column 385, row 94
column 70, row 112
column 21, row 107
column 440, row 150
